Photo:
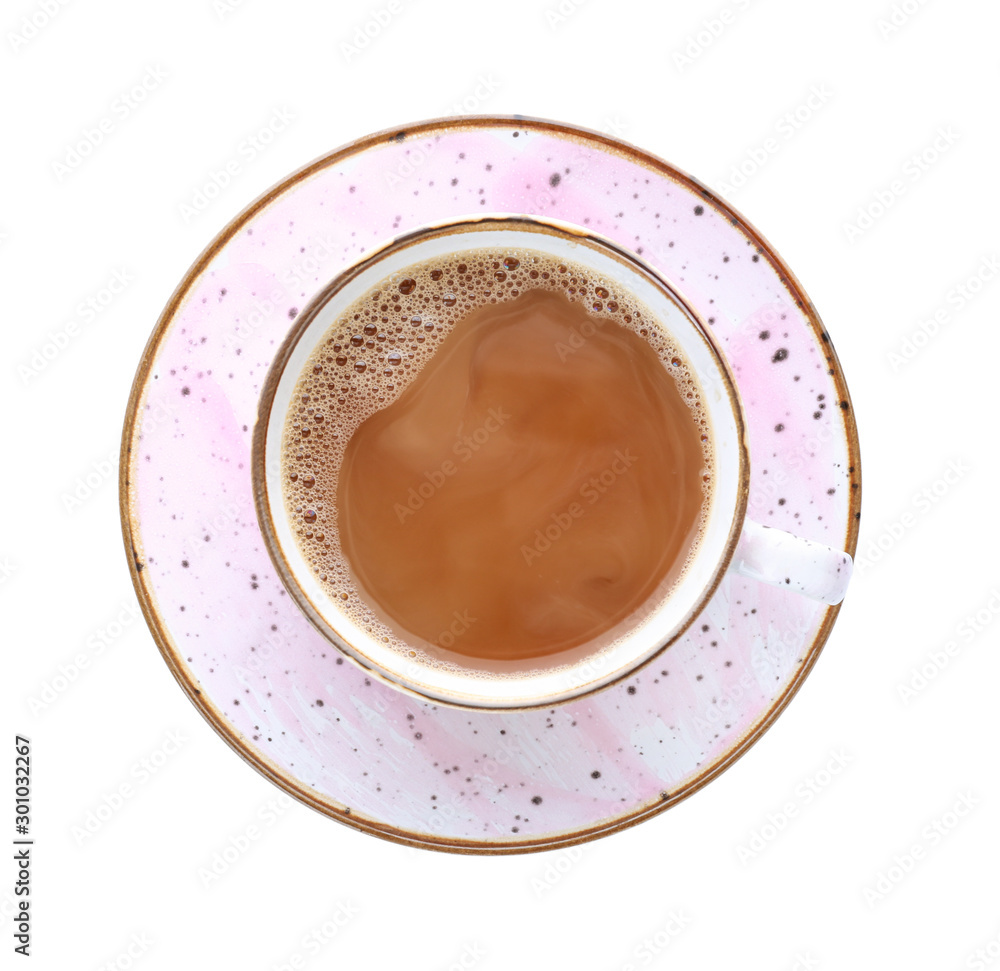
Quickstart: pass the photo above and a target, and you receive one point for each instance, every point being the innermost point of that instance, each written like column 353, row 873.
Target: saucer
column 347, row 744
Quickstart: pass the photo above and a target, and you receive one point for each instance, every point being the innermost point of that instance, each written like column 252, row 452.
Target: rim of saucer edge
column 146, row 596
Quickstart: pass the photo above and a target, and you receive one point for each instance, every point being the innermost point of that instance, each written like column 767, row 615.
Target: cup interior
column 640, row 636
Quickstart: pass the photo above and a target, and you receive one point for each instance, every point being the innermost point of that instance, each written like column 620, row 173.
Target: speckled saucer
column 350, row 746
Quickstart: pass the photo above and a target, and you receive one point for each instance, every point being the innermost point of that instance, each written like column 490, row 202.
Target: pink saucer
column 350, row 746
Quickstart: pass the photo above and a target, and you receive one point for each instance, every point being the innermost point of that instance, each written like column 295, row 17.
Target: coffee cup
column 336, row 602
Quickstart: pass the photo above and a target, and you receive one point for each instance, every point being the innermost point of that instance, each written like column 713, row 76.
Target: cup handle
column 790, row 562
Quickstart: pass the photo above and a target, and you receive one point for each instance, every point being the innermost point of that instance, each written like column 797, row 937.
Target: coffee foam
column 374, row 351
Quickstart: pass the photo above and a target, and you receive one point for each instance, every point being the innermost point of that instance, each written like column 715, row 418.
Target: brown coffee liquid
column 496, row 457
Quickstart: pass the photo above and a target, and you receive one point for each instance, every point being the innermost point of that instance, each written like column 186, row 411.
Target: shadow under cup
column 457, row 680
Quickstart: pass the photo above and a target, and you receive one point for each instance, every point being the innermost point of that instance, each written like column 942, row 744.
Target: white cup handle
column 792, row 563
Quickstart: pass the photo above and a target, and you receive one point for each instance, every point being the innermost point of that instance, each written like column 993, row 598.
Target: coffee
column 496, row 457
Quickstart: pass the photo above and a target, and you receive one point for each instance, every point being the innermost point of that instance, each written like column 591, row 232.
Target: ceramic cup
column 729, row 540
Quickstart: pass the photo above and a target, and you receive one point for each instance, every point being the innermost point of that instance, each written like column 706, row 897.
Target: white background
column 882, row 98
